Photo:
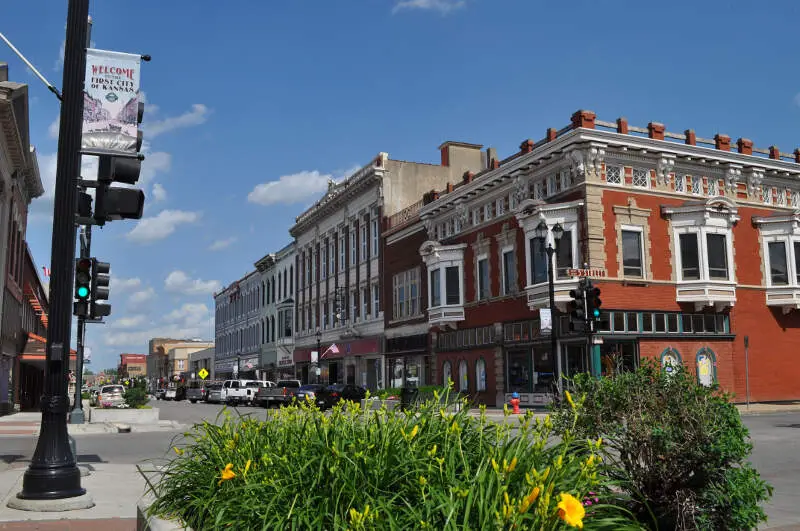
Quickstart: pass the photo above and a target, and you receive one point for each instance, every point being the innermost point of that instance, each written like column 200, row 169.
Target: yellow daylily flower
column 528, row 500
column 227, row 473
column 571, row 510
column 178, row 450
column 569, row 399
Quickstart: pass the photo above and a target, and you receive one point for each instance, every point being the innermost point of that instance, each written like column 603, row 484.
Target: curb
column 154, row 523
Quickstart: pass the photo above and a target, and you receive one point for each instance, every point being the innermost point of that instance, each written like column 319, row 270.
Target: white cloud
column 159, row 194
column 290, row 189
column 219, row 245
column 135, row 321
column 161, row 225
column 52, row 130
column 142, row 296
column 180, row 282
column 196, row 116
column 189, row 314
column 61, row 51
column 442, row 6
column 154, row 162
column 121, row 285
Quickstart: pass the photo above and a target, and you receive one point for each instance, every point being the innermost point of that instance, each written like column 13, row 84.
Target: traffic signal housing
column 120, row 203
column 593, row 303
column 99, row 289
column 577, row 306
column 83, row 286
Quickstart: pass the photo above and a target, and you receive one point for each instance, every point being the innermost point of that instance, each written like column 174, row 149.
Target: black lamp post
column 319, row 352
column 557, row 231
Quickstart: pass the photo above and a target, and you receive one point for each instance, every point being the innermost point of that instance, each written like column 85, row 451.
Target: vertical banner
column 110, row 102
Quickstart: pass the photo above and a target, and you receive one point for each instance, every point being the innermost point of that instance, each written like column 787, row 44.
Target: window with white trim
column 376, row 235
column 487, row 211
column 566, row 179
column 445, row 265
column 551, row 186
column 363, row 241
column 632, row 252
column 796, row 200
column 342, row 254
column 364, row 302
column 713, row 187
column 538, row 190
column 679, row 182
column 332, row 257
column 766, row 195
column 376, row 298
column 405, row 294
column 781, row 249
column 614, row 174
column 781, row 201
column 480, row 375
column 323, row 265
column 353, row 246
column 482, row 276
column 500, row 206
column 697, row 185
column 509, row 261
column 640, row 178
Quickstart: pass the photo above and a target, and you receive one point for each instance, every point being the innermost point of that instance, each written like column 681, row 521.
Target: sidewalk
column 115, row 490
column 27, row 424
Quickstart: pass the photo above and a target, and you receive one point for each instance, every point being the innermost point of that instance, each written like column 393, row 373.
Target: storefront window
column 617, row 357
column 544, row 370
column 574, row 360
column 395, row 372
column 519, row 371
column 447, row 373
column 480, row 375
column 463, row 377
column 413, row 371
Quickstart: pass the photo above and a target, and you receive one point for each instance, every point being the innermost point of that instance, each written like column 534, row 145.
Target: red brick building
column 132, row 366
column 695, row 244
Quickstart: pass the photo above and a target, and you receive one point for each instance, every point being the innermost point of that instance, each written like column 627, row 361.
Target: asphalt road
column 776, row 452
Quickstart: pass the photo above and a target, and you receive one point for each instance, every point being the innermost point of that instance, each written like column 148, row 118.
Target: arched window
column 447, row 373
column 463, row 376
column 480, row 375
column 706, row 362
column 670, row 360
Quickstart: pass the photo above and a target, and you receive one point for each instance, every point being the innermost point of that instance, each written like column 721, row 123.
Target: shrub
column 136, row 397
column 678, row 447
column 359, row 469
column 86, row 396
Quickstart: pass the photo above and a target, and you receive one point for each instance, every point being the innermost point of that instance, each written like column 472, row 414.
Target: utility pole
column 53, row 473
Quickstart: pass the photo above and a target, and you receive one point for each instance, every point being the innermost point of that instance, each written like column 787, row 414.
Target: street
column 775, row 438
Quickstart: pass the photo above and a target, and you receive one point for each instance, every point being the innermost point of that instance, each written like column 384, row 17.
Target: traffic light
column 84, row 205
column 577, row 306
column 120, row 203
column 593, row 303
column 83, row 286
column 99, row 289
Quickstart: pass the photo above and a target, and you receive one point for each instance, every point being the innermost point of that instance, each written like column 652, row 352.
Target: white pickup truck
column 241, row 392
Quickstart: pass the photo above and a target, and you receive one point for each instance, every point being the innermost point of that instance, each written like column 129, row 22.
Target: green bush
column 382, row 469
column 136, row 397
column 86, row 396
column 677, row 447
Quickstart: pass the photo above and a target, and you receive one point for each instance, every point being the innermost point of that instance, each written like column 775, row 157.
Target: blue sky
column 247, row 93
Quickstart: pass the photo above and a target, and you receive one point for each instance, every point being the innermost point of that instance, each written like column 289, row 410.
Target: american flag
column 333, row 348
column 46, row 271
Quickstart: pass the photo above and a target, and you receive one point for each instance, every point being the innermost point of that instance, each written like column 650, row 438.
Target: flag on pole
column 333, row 348
column 46, row 271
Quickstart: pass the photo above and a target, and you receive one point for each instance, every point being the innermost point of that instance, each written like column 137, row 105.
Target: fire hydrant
column 515, row 402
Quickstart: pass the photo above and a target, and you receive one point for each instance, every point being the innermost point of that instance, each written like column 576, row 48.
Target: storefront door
column 574, row 359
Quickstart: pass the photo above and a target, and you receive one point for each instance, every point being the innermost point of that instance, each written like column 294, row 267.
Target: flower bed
column 366, row 469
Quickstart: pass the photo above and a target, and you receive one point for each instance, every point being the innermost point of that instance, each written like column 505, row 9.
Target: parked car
column 175, row 393
column 214, row 394
column 333, row 394
column 195, row 392
column 308, row 392
column 280, row 394
column 161, row 393
column 111, row 396
column 241, row 392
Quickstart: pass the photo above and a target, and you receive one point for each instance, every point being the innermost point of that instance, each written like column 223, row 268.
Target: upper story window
column 482, row 276
column 509, row 256
column 780, row 235
column 501, row 206
column 405, row 294
column 632, row 252
column 640, row 178
column 363, row 241
column 558, row 224
column 376, row 298
column 445, row 265
column 376, row 235
column 323, row 268
column 679, row 183
column 703, row 237
column 332, row 257
column 614, row 174
column 342, row 253
column 353, row 247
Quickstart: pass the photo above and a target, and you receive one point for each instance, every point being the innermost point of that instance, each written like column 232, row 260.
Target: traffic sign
column 203, row 373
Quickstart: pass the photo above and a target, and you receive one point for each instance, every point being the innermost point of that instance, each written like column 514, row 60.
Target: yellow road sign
column 203, row 374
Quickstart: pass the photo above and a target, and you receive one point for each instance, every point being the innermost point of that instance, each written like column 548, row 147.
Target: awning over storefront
column 225, row 365
column 34, row 351
column 359, row 347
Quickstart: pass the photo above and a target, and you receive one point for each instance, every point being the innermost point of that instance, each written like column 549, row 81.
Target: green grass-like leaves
column 381, row 469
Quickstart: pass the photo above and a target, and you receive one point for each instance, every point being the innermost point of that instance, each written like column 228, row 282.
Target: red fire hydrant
column 515, row 402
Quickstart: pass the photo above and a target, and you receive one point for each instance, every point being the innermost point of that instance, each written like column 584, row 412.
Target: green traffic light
column 83, row 292
column 596, row 313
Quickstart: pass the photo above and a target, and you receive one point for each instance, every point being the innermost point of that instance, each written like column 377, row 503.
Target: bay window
column 780, row 234
column 445, row 265
column 435, row 288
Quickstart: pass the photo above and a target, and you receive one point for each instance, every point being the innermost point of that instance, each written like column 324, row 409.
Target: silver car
column 111, row 396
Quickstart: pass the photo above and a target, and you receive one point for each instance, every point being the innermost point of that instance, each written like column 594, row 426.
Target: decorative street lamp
column 541, row 235
column 319, row 350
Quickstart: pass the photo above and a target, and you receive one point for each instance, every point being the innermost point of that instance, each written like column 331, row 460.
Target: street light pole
column 53, row 473
column 557, row 231
column 319, row 350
